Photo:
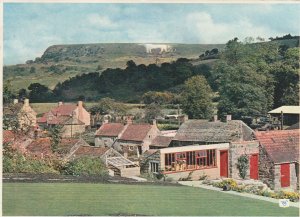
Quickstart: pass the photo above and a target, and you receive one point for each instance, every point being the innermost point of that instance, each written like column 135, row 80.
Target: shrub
column 243, row 165
column 86, row 166
column 227, row 182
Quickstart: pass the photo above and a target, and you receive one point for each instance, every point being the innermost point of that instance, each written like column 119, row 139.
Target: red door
column 285, row 175
column 224, row 163
column 254, row 166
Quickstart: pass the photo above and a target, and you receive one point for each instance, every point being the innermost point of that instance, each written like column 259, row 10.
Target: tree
column 196, row 99
column 22, row 94
column 55, row 137
column 32, row 69
column 8, row 94
column 152, row 111
column 39, row 93
column 157, row 97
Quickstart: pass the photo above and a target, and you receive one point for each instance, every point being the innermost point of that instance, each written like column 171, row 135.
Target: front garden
column 252, row 187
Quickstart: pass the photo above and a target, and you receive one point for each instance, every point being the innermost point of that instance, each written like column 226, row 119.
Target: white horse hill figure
column 162, row 47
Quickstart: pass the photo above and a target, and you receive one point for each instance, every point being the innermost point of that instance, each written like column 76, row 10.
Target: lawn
column 113, row 199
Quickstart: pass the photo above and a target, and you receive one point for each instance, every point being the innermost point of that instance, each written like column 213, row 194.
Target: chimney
column 215, row 118
column 129, row 120
column 26, row 102
column 16, row 101
column 60, row 103
column 153, row 122
column 228, row 118
column 79, row 103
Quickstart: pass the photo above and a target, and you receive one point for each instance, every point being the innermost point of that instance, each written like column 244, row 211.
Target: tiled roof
column 286, row 110
column 90, row 151
column 204, row 131
column 43, row 119
column 136, row 132
column 12, row 109
column 8, row 136
column 64, row 109
column 161, row 141
column 43, row 146
column 281, row 145
column 110, row 129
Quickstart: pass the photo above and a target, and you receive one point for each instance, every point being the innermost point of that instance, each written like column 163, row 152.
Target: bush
column 243, row 165
column 227, row 182
column 86, row 166
column 18, row 163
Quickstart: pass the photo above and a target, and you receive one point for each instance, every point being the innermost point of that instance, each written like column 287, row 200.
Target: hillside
column 61, row 62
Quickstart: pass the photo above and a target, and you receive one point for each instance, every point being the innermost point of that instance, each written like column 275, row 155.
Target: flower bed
column 231, row 184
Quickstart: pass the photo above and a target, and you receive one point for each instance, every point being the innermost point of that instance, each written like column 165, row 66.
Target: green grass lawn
column 112, row 199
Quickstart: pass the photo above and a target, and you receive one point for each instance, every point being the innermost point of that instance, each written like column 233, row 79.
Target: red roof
column 64, row 109
column 43, row 119
column 136, row 132
column 8, row 136
column 90, row 151
column 110, row 129
column 43, row 146
column 281, row 145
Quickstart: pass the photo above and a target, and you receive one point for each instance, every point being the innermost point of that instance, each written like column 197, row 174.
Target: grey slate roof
column 204, row 131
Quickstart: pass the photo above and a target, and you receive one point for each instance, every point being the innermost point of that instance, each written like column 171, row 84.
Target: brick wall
column 236, row 149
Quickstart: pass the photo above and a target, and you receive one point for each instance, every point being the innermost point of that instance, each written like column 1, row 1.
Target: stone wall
column 266, row 168
column 237, row 149
column 72, row 130
column 102, row 141
column 147, row 158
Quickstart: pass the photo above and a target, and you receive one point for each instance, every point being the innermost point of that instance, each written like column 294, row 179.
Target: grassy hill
column 60, row 62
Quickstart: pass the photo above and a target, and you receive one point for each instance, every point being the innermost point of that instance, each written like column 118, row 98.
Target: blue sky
column 30, row 28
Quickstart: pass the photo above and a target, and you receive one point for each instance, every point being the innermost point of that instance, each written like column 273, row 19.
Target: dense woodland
column 248, row 79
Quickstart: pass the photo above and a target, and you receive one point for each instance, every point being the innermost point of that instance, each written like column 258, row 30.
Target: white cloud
column 101, row 21
column 202, row 28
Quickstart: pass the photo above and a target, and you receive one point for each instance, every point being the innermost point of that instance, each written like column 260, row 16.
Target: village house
column 26, row 116
column 285, row 115
column 74, row 119
column 204, row 132
column 279, row 158
column 136, row 139
column 108, row 133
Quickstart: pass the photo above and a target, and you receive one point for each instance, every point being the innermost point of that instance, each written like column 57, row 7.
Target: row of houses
column 198, row 148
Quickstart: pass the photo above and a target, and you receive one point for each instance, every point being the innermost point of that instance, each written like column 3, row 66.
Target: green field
column 114, row 199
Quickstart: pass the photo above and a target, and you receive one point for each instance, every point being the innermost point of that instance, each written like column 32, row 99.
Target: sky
column 29, row 28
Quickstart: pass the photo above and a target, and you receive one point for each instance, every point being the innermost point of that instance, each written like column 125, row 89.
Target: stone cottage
column 26, row 116
column 136, row 139
column 108, row 133
column 279, row 158
column 203, row 132
column 73, row 118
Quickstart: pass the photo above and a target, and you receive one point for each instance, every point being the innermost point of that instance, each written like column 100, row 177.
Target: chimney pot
column 215, row 118
column 153, row 122
column 60, row 103
column 16, row 101
column 26, row 102
column 79, row 103
column 228, row 118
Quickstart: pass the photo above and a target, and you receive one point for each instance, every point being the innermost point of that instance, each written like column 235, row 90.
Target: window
column 153, row 167
column 191, row 160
